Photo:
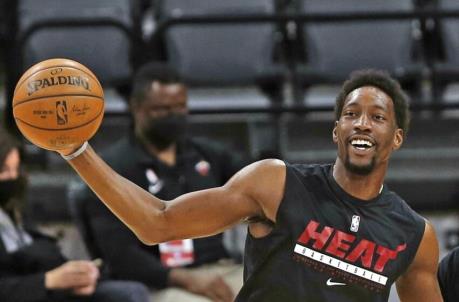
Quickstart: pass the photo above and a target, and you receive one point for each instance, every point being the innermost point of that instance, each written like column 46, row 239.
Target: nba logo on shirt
column 355, row 223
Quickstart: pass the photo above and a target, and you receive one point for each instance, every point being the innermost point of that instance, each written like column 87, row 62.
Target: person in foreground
column 448, row 276
column 316, row 232
column 32, row 268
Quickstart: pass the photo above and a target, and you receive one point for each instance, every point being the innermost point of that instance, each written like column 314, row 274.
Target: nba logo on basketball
column 61, row 112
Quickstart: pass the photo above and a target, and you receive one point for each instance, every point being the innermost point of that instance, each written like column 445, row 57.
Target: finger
column 224, row 292
column 84, row 291
column 84, row 267
column 81, row 280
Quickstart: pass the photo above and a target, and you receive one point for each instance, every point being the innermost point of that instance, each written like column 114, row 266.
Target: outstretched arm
column 255, row 191
column 419, row 282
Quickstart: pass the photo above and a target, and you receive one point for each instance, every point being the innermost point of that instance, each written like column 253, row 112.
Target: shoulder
column 208, row 148
column 118, row 153
column 400, row 205
column 263, row 182
column 266, row 168
column 449, row 265
column 204, row 143
column 427, row 253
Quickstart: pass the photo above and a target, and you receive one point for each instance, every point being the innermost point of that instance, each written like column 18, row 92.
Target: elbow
column 149, row 237
column 154, row 233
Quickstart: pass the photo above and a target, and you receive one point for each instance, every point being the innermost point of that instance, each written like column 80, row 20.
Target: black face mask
column 163, row 132
column 10, row 188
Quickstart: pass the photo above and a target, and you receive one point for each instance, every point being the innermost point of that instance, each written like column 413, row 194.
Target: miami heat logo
column 346, row 256
column 61, row 113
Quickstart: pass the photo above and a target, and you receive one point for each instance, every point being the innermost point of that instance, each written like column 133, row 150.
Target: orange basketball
column 58, row 104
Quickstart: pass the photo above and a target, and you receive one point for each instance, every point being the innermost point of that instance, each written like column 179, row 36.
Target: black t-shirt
column 327, row 245
column 448, row 276
column 200, row 164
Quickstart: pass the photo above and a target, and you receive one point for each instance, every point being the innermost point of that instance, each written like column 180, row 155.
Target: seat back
column 97, row 34
column 450, row 33
column 336, row 49
column 219, row 54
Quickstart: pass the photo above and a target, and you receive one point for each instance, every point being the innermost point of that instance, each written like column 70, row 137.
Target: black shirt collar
column 184, row 153
column 346, row 197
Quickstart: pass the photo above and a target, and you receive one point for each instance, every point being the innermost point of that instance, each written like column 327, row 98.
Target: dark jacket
column 22, row 273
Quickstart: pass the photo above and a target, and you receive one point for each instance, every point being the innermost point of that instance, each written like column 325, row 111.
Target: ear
column 335, row 135
column 398, row 139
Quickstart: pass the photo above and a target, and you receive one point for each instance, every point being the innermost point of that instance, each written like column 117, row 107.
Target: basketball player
column 317, row 232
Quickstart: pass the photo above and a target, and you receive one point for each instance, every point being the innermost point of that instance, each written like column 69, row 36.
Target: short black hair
column 381, row 80
column 147, row 74
column 7, row 144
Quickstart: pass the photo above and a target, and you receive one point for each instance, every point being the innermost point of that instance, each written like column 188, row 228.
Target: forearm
column 135, row 207
column 195, row 214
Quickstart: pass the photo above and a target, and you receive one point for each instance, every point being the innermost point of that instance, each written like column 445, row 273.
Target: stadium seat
column 446, row 69
column 102, row 35
column 332, row 50
column 223, row 63
column 227, row 66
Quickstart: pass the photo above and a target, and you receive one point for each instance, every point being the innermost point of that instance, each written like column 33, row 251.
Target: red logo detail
column 338, row 243
column 203, row 168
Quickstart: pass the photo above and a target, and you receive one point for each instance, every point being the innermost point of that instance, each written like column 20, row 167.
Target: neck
column 167, row 156
column 365, row 187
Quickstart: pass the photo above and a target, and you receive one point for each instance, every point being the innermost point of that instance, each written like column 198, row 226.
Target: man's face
column 366, row 132
column 162, row 100
column 160, row 118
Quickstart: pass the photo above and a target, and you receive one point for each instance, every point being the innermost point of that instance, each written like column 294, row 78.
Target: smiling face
column 366, row 132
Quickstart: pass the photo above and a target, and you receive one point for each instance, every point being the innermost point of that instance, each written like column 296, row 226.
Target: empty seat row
column 238, row 63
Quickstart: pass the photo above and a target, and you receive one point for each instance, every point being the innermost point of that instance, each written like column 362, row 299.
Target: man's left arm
column 419, row 283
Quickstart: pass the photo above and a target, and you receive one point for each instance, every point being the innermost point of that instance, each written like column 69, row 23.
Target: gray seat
column 334, row 50
column 103, row 35
column 446, row 71
column 225, row 60
column 105, row 49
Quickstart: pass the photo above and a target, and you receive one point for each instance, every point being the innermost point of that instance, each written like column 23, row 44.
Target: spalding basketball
column 58, row 104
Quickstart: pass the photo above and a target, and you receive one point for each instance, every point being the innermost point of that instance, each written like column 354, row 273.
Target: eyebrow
column 354, row 104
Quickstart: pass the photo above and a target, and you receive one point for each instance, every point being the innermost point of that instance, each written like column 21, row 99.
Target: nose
column 363, row 123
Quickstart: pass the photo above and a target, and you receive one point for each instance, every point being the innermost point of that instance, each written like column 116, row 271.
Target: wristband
column 76, row 153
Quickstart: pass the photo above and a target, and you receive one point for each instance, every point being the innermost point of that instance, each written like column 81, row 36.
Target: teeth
column 361, row 143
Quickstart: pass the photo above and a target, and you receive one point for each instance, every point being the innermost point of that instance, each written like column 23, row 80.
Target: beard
column 359, row 169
